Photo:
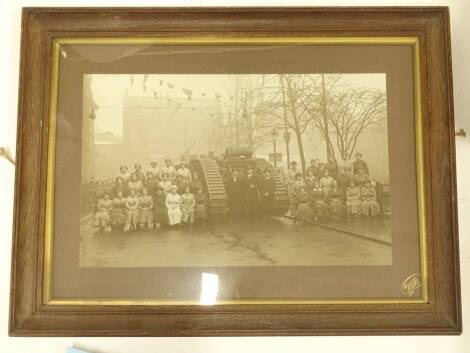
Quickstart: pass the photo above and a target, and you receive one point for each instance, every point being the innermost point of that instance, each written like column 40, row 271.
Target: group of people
column 250, row 195
column 159, row 197
column 173, row 195
column 329, row 191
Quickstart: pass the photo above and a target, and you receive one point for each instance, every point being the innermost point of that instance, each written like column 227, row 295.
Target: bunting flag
column 189, row 93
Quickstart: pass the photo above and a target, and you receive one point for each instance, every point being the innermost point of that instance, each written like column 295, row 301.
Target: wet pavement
column 276, row 243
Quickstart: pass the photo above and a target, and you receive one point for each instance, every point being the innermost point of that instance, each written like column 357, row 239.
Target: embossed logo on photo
column 411, row 284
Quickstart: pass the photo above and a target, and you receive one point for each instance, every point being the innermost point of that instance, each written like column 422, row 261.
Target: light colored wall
column 9, row 62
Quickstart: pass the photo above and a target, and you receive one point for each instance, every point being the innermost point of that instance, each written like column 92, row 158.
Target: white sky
column 109, row 89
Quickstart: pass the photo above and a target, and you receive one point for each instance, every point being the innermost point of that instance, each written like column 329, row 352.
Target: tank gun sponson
column 214, row 173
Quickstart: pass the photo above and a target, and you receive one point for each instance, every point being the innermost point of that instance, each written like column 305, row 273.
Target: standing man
column 291, row 177
column 360, row 164
column 235, row 196
column 251, row 188
column 267, row 188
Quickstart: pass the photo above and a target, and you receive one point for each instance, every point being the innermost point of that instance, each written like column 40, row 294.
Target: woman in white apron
column 173, row 204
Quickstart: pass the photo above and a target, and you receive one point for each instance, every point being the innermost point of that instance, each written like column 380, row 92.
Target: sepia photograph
column 214, row 170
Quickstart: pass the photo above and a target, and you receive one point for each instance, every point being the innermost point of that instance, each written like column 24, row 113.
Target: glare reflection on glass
column 209, row 288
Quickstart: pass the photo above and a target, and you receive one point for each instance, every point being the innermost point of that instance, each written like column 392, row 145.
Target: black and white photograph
column 202, row 170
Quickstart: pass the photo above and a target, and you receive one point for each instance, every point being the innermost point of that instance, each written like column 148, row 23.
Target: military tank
column 214, row 172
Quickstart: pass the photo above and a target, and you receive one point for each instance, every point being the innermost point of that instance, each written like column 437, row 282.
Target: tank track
column 209, row 172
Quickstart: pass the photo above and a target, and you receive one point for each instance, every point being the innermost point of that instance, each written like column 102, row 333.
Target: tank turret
column 215, row 172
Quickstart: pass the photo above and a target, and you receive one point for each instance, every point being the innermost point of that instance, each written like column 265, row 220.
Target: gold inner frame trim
column 49, row 229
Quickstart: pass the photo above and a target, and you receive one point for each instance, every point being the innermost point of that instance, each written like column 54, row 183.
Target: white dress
column 173, row 204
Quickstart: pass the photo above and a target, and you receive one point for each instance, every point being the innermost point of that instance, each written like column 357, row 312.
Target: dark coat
column 235, row 191
column 267, row 186
column 360, row 164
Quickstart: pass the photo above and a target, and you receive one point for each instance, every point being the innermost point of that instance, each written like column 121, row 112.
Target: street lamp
column 274, row 136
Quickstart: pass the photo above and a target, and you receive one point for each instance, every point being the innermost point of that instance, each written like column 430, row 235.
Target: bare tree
column 285, row 101
column 253, row 125
column 353, row 112
column 322, row 90
column 296, row 89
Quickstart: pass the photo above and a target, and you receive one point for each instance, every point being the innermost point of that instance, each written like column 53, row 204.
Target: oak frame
column 30, row 316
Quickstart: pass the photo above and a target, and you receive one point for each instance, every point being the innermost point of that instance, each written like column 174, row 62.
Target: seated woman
column 146, row 210
column 370, row 206
column 336, row 201
column 304, row 211
column 360, row 178
column 353, row 200
column 118, row 213
column 132, row 207
column 318, row 202
column 165, row 184
column 200, row 212
column 103, row 214
column 173, row 205
column 135, row 184
column 188, row 204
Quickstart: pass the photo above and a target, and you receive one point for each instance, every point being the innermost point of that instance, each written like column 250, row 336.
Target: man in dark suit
column 251, row 188
column 267, row 188
column 235, row 196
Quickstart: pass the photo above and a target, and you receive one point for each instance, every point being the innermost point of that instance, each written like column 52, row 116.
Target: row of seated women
column 144, row 210
column 323, row 203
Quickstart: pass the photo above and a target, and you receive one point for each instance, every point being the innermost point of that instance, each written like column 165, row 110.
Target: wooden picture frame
column 34, row 313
